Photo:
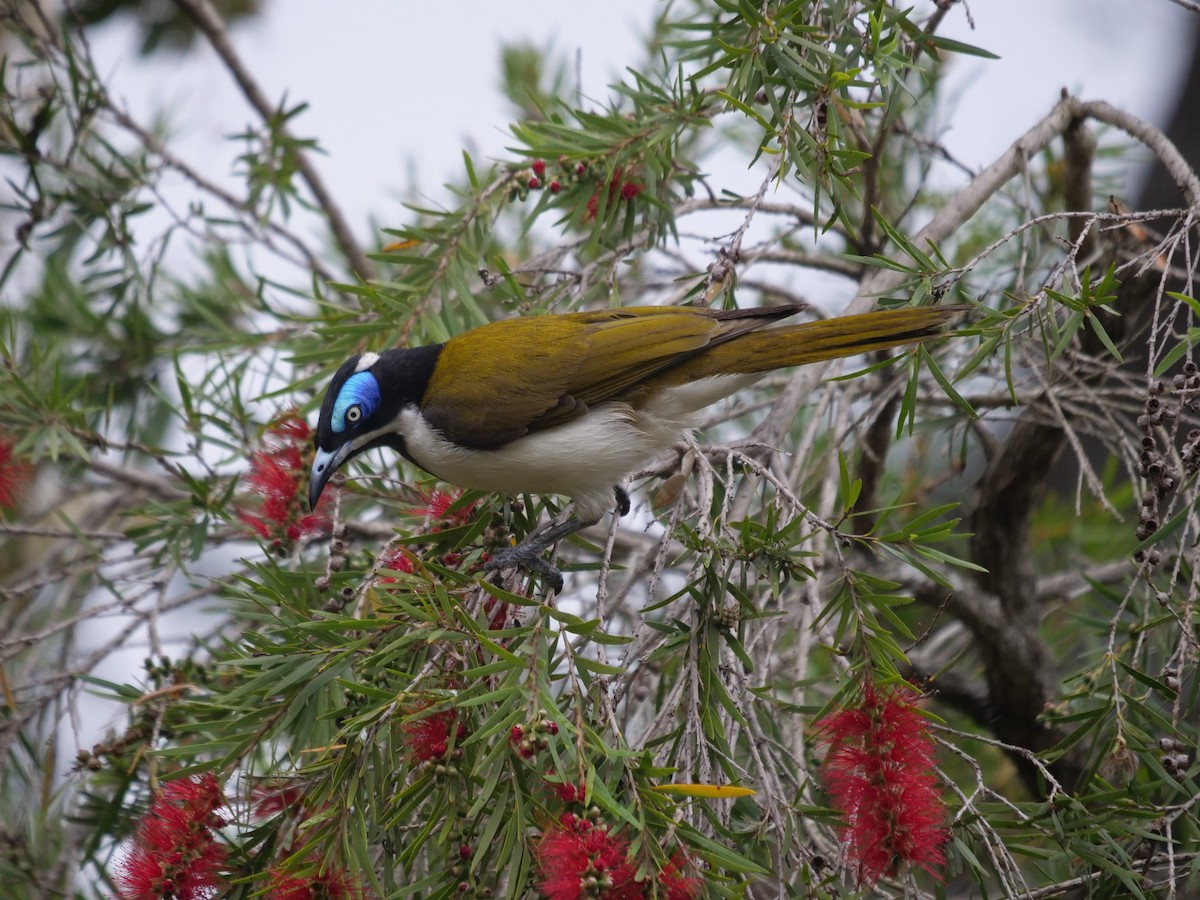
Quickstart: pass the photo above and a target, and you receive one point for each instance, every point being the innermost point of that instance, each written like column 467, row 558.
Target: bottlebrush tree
column 922, row 624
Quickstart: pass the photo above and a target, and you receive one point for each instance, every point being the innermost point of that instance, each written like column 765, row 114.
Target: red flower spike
column 572, row 861
column 879, row 771
column 277, row 474
column 437, row 507
column 428, row 738
column 527, row 750
column 14, row 476
column 568, row 792
column 291, row 427
column 497, row 612
column 539, row 167
column 396, row 560
column 534, row 184
column 618, row 186
column 277, row 798
column 675, row 884
column 257, row 525
column 175, row 851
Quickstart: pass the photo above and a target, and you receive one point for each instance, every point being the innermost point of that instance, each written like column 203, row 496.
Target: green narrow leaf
column 1098, row 330
column 471, row 176
column 944, row 383
column 902, row 242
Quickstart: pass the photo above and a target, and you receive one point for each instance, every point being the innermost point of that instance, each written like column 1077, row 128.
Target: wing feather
column 499, row 382
column 531, row 373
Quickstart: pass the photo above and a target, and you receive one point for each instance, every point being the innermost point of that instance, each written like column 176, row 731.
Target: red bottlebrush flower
column 330, row 884
column 539, row 167
column 277, row 474
column 497, row 612
column 437, row 507
column 14, row 475
column 576, row 861
column 568, row 791
column 675, row 884
column 175, row 853
column 618, row 186
column 293, row 428
column 397, row 560
column 274, row 798
column 255, row 524
column 312, row 523
column 428, row 737
column 593, row 204
column 879, row 771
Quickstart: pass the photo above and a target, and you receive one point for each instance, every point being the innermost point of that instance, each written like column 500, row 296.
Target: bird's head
column 361, row 410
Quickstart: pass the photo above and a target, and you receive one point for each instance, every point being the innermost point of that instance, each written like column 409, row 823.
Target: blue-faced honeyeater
column 572, row 403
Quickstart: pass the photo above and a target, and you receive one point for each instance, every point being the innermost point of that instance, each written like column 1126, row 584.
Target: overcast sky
column 399, row 89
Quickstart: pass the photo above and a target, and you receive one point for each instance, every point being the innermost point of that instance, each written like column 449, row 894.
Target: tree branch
column 209, row 21
column 1019, row 666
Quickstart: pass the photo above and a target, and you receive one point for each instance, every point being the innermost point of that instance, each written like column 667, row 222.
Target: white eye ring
column 353, row 414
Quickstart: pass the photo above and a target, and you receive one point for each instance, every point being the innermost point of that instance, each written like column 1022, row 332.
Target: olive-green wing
column 497, row 383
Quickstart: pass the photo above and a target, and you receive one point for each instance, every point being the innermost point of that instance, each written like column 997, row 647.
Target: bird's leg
column 528, row 554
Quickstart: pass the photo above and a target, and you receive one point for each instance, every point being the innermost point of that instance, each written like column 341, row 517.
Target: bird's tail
column 809, row 342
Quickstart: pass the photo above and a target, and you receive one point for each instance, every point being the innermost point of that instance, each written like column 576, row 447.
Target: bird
column 573, row 403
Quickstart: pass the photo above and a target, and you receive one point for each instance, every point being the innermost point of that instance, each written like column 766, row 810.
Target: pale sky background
column 396, row 88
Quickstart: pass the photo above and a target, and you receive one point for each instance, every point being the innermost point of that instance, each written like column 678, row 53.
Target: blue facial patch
column 361, row 390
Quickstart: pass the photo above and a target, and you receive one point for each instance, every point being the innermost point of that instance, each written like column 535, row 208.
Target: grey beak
column 325, row 463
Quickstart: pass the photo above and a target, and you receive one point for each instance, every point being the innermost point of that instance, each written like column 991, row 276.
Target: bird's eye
column 356, row 400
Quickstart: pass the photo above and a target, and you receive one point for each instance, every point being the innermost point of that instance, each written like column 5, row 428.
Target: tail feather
column 794, row 345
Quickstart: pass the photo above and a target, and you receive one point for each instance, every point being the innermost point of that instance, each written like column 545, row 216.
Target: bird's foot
column 527, row 555
column 523, row 557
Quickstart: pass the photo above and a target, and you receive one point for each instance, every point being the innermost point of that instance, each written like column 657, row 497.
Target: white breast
column 582, row 459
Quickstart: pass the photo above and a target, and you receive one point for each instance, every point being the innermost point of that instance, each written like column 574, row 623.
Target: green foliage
column 373, row 703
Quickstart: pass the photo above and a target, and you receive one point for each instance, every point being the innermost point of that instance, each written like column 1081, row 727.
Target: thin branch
column 1168, row 154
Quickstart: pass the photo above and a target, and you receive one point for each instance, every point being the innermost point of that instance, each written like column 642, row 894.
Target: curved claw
column 527, row 555
column 622, row 500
